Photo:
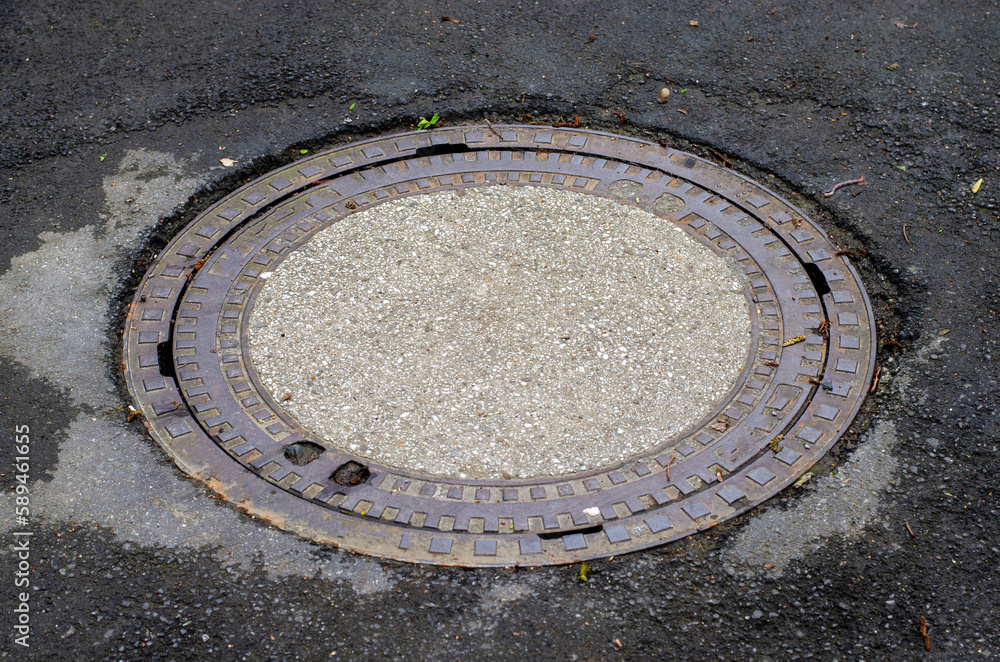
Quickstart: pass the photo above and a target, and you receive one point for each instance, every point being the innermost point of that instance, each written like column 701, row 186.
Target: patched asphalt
column 114, row 121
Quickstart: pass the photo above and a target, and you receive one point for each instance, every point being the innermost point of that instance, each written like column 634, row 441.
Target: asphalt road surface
column 113, row 120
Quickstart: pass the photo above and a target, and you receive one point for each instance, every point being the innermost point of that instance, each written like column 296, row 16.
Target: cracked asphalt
column 113, row 121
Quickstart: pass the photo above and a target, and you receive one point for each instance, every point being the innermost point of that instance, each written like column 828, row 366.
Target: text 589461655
column 22, row 538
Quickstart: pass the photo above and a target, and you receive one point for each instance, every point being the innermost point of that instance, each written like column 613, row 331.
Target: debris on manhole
column 193, row 378
column 351, row 473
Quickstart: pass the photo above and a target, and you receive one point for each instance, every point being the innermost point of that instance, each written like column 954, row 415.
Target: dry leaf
column 229, row 163
column 693, row 24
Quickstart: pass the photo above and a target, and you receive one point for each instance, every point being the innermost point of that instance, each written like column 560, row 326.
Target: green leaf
column 684, row 90
column 303, row 151
column 903, row 168
column 425, row 123
column 103, row 156
column 352, row 106
column 584, row 569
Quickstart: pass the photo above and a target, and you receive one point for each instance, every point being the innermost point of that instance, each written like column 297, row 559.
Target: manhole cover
column 499, row 346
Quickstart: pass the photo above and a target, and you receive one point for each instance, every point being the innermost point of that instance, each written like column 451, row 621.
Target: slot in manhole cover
column 520, row 347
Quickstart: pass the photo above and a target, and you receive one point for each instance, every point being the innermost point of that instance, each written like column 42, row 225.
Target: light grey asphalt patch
column 842, row 504
column 53, row 320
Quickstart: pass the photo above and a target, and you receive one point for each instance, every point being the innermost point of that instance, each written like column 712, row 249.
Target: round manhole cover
column 499, row 346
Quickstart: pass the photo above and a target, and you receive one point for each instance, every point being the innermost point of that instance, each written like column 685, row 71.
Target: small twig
column 912, row 534
column 724, row 159
column 904, row 235
column 859, row 180
column 854, row 255
column 571, row 125
column 494, row 130
column 669, row 462
column 923, row 632
column 878, row 371
column 904, row 25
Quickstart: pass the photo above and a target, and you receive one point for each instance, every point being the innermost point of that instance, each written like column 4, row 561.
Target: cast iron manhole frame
column 811, row 360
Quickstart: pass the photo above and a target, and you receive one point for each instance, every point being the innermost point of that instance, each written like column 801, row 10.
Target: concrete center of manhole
column 508, row 332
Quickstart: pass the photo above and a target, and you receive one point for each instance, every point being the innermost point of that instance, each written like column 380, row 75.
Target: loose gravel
column 500, row 333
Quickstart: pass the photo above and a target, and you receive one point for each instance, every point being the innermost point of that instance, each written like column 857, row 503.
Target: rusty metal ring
column 188, row 365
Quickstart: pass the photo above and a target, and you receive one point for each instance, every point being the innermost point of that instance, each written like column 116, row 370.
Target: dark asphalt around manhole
column 114, row 121
column 189, row 367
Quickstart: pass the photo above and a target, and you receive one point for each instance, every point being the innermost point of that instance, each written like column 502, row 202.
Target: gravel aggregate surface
column 505, row 332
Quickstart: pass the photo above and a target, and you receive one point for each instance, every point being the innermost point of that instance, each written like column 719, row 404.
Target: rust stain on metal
column 191, row 374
